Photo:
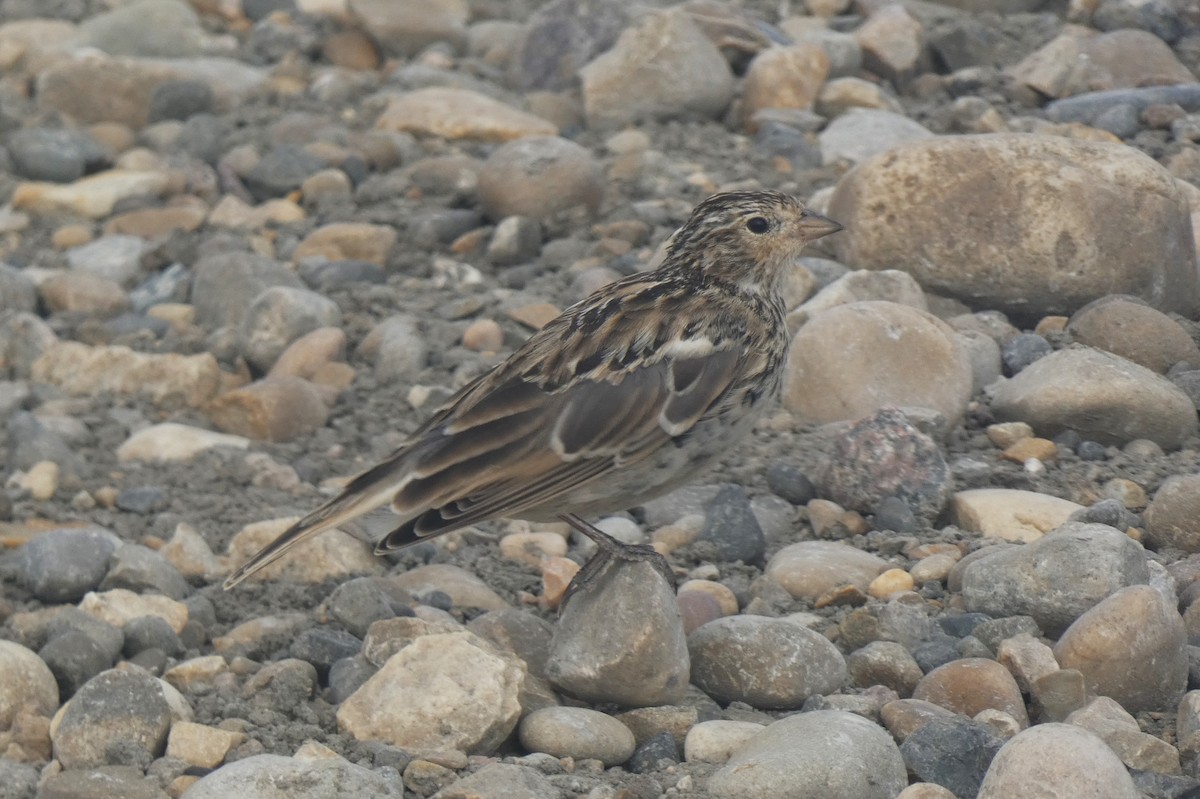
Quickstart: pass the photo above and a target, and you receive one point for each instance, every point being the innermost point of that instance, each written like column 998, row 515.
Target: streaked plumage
column 623, row 397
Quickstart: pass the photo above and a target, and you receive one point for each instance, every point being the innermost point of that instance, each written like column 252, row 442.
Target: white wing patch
column 689, row 348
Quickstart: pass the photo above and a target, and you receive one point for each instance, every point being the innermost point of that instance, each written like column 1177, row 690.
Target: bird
column 625, row 396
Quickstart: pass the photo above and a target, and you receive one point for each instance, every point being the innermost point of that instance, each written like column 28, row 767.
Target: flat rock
column 810, row 569
column 1101, row 396
column 165, row 379
column 1045, row 259
column 822, row 753
column 461, row 694
column 274, row 409
column 1128, row 327
column 459, row 114
column 93, row 196
column 348, row 241
column 271, row 776
column 464, row 588
column 577, row 732
column 1009, row 513
column 170, row 441
column 861, row 133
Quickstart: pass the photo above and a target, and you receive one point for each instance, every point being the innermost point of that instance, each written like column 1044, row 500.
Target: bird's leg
column 608, row 548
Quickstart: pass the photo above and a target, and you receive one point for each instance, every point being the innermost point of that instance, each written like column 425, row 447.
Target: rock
column 500, row 780
column 1130, row 328
column 404, row 29
column 396, row 346
column 954, row 753
column 53, row 155
column 715, row 741
column 577, row 732
column 1056, row 578
column 1121, row 732
column 264, row 776
column 119, row 717
column 783, row 77
column 563, row 35
column 231, row 212
column 83, row 293
column 180, row 99
column 970, row 685
column 190, row 554
column 29, row 685
column 119, row 606
column 764, row 662
column 153, row 28
column 93, row 197
column 331, row 555
column 17, row 292
column 853, row 359
column 116, row 258
column 1010, row 514
column 884, row 456
column 128, row 782
column 1060, row 759
column 1147, row 669
column 859, row 286
column 825, row 752
column 731, row 527
column 459, row 114
column 167, row 379
column 539, row 176
column 143, row 570
column 1009, row 269
column 348, row 241
column 621, row 640
column 63, row 565
column 1101, row 396
column 275, row 409
column 464, row 588
column 462, row 694
column 893, row 44
column 169, row 442
column 679, row 73
column 862, row 133
column 282, row 170
column 201, row 745
column 1173, row 518
column 279, row 316
column 225, row 285
column 811, row 569
column 1073, row 64
column 884, row 663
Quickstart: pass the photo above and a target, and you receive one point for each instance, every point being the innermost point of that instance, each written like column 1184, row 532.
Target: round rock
column 539, row 176
column 764, row 662
column 279, row 316
column 1128, row 327
column 577, row 732
column 822, row 753
column 970, row 685
column 810, row 569
column 1132, row 647
column 1173, row 518
column 28, row 684
column 270, row 776
column 1053, row 760
column 853, row 359
column 116, row 718
column 63, row 565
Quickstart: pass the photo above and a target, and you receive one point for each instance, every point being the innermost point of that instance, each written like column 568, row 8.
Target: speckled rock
column 577, row 732
column 119, row 717
column 1053, row 760
column 28, row 684
column 268, row 776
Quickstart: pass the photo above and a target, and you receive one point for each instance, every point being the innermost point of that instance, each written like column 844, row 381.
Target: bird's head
column 746, row 237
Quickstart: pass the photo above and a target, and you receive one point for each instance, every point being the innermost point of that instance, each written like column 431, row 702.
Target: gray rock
column 117, row 258
column 396, row 346
column 23, row 339
column 1056, row 578
column 562, row 36
column 1022, row 350
column 282, row 685
column 764, row 662
column 281, row 170
column 225, row 284
column 621, row 640
column 954, row 753
column 31, row 441
column 1086, row 107
column 143, row 570
column 444, row 225
column 502, row 781
column 348, row 675
column 63, row 565
column 861, row 133
column 169, row 285
column 538, row 177
column 822, row 753
column 151, row 632
column 17, row 292
column 577, row 732
column 180, row 99
column 885, row 456
column 18, row 780
column 270, row 776
column 358, row 602
column 791, row 483
column 1173, row 517
column 885, row 663
column 142, row 499
column 58, row 156
column 126, row 782
column 518, row 631
column 324, row 646
column 325, row 276
column 70, row 619
column 117, row 718
column 516, row 240
column 1060, row 759
column 74, row 658
column 152, row 28
column 731, row 527
column 279, row 316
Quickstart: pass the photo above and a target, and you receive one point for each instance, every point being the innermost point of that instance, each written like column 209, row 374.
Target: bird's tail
column 366, row 493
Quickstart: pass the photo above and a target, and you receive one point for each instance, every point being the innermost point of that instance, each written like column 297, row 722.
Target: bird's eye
column 758, row 224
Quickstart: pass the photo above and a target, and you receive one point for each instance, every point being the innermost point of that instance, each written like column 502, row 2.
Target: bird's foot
column 608, row 549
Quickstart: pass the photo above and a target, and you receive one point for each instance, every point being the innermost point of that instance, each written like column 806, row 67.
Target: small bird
column 624, row 397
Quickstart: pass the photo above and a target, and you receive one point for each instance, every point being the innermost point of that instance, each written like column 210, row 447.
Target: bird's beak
column 815, row 226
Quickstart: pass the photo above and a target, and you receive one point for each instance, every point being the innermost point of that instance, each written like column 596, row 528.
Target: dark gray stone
column 1086, row 107
column 151, row 632
column 225, row 284
column 63, row 565
column 141, row 569
column 659, row 751
column 17, row 292
column 791, row 483
column 731, row 526
column 18, row 780
column 954, row 753
column 116, row 718
column 993, row 631
column 74, row 658
column 142, row 499
column 895, row 515
column 59, row 156
column 280, row 171
column 325, row 276
column 564, row 35
column 935, row 651
column 1022, row 350
column 30, row 441
column 346, row 676
column 324, row 646
column 359, row 602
